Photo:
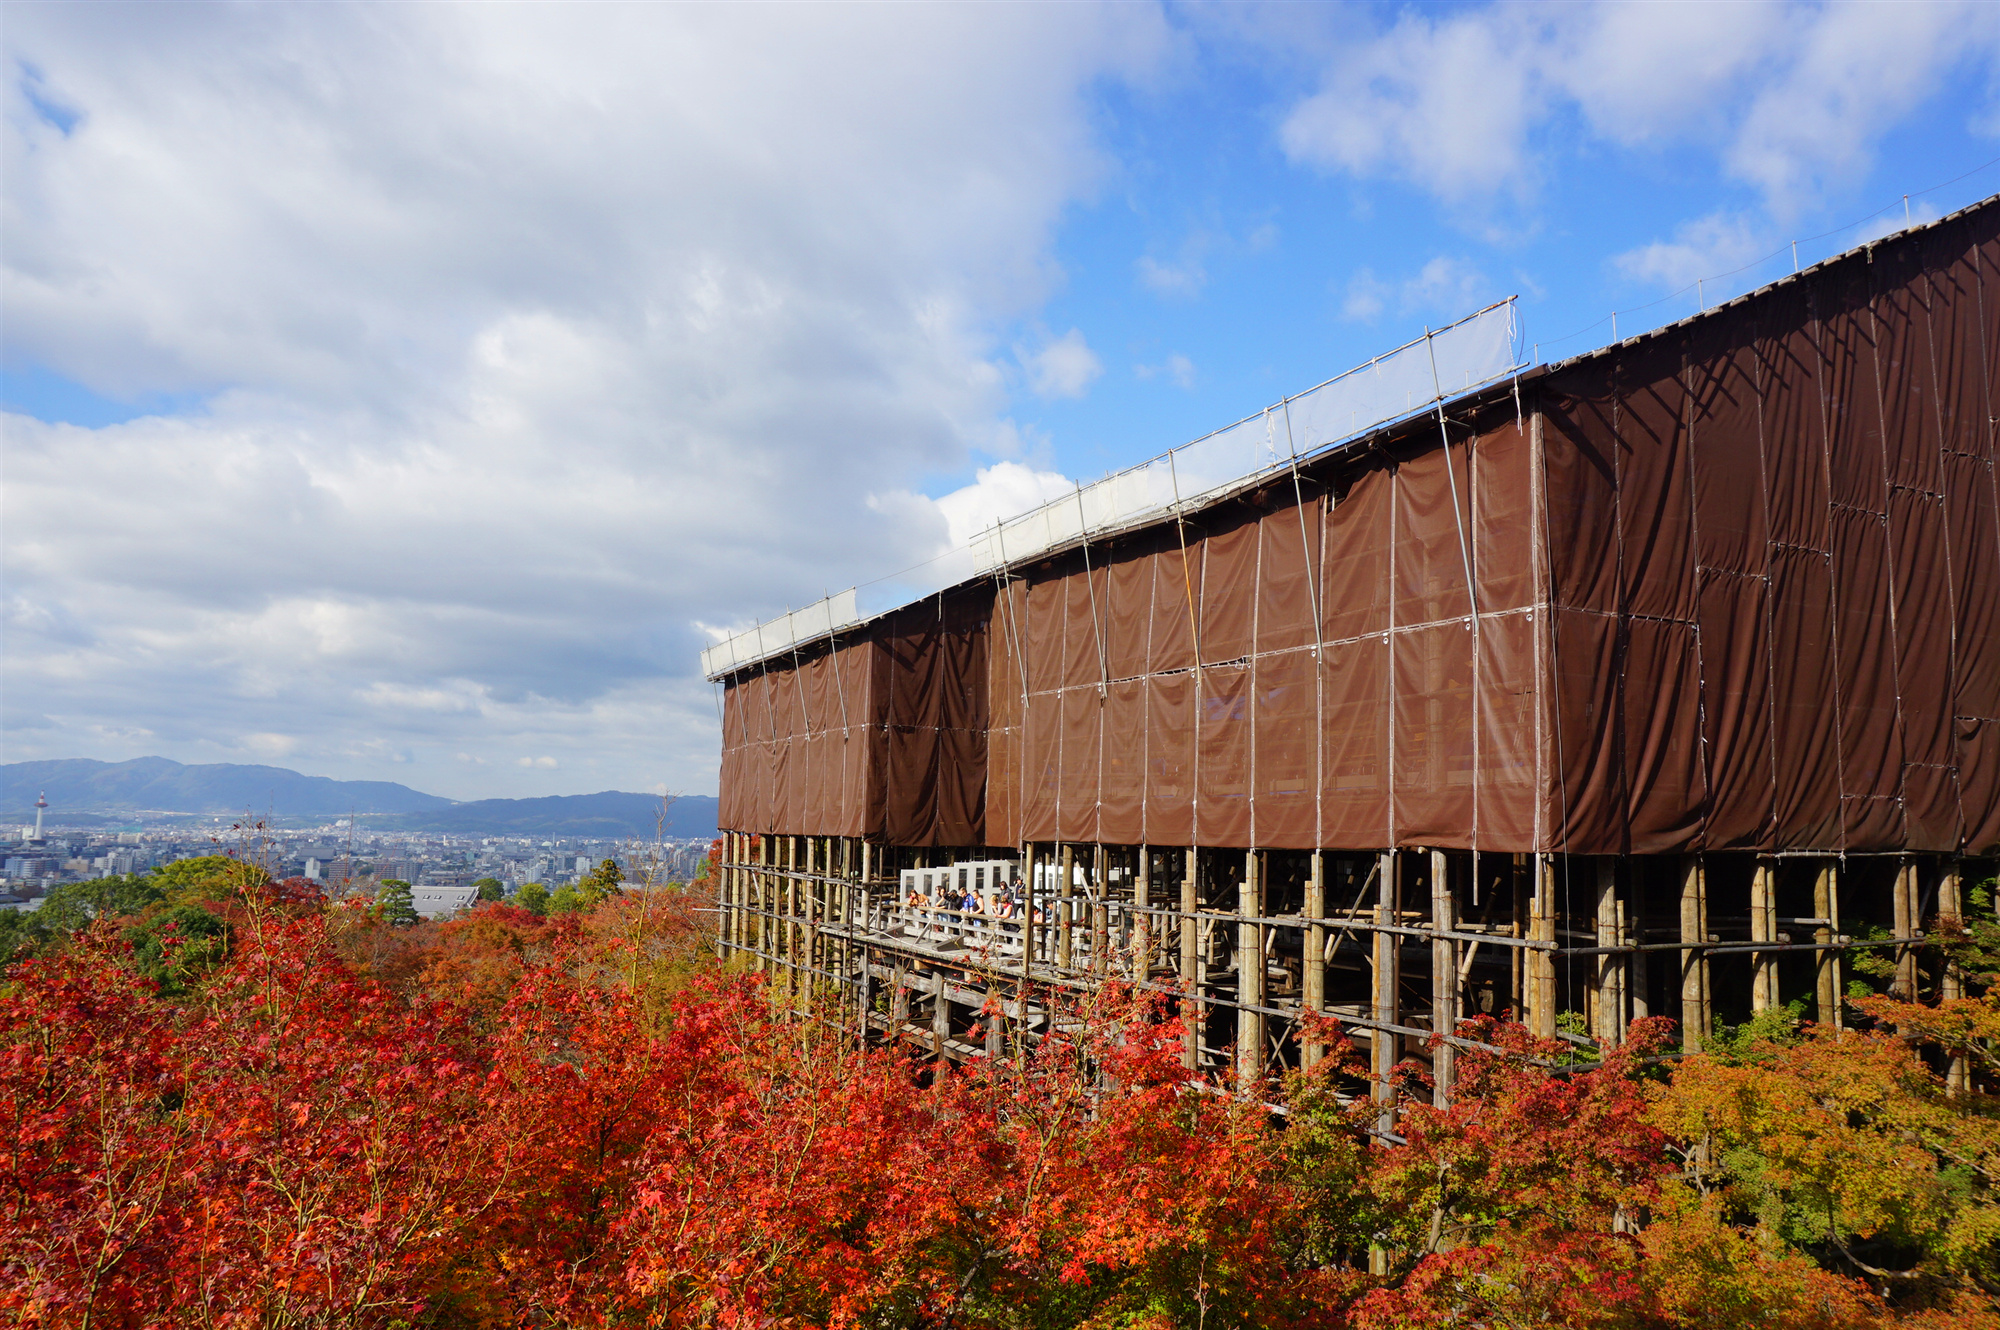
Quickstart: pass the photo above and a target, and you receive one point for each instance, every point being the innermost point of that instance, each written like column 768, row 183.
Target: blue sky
column 408, row 392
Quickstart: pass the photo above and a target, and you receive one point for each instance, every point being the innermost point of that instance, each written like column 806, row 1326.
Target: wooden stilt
column 1951, row 984
column 1826, row 983
column 1384, row 980
column 1608, row 1018
column 1065, row 894
column 1145, row 926
column 1696, row 1018
column 1905, row 983
column 1541, row 962
column 1444, row 978
column 1314, row 996
column 1190, row 937
column 1098, row 890
column 1764, row 928
column 764, row 932
column 1250, row 969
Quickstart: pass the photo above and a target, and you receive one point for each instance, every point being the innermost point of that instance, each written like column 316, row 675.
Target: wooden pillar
column 1541, row 978
column 788, row 894
column 1632, row 925
column 1609, row 1017
column 1764, row 928
column 1696, row 1016
column 1314, row 996
column 1065, row 892
column 1826, row 961
column 1907, row 924
column 1250, row 969
column 1951, row 984
column 899, row 1002
column 762, row 927
column 1142, row 900
column 744, row 923
column 722, row 915
column 1098, row 890
column 1444, row 978
column 1384, row 1045
column 940, row 1015
column 1517, row 983
column 1190, row 936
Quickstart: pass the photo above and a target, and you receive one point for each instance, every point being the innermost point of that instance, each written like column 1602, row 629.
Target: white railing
column 822, row 618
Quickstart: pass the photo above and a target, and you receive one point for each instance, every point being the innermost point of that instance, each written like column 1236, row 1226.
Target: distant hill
column 612, row 813
column 155, row 784
column 82, row 790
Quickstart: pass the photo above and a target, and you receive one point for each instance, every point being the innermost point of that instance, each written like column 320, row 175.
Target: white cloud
column 1176, row 367
column 1064, row 367
column 535, row 340
column 1447, row 286
column 1000, row 491
column 1182, row 279
column 1793, row 96
column 541, row 763
column 1718, row 243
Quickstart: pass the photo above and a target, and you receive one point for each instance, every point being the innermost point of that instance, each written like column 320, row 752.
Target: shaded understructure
column 1652, row 682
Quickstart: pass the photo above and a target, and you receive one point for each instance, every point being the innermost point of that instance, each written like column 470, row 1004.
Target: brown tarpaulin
column 1734, row 585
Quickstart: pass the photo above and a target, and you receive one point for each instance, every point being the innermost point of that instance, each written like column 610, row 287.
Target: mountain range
column 84, row 785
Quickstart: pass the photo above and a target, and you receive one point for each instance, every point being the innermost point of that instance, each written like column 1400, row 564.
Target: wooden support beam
column 1608, row 1021
column 1951, row 984
column 1696, row 1015
column 1098, row 889
column 1250, row 969
column 940, row 1014
column 1764, row 928
column 1065, row 892
column 1444, row 977
column 1518, row 881
column 1826, row 979
column 1383, row 982
column 1191, row 956
column 1143, row 926
column 762, row 895
column 1905, row 984
column 1632, row 927
column 1541, row 965
column 1314, row 996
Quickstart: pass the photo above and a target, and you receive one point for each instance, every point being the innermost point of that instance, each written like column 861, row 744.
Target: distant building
column 442, row 902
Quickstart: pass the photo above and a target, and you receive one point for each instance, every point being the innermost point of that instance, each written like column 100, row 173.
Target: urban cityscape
column 339, row 855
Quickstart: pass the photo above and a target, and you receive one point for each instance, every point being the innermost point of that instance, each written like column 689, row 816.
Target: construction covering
column 1730, row 585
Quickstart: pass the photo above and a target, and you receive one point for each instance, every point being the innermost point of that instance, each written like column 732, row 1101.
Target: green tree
column 213, row 877
column 490, row 889
column 177, row 945
column 532, row 897
column 567, row 900
column 394, row 904
column 601, row 884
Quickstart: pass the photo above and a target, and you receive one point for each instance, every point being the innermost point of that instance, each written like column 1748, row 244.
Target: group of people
column 1012, row 903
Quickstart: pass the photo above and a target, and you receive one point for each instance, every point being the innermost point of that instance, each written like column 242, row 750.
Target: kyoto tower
column 41, row 803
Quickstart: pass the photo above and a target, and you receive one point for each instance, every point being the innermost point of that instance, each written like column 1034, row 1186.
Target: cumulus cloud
column 1446, row 285
column 1718, row 243
column 1176, row 367
column 528, row 342
column 1163, row 278
column 1063, row 367
column 1794, row 96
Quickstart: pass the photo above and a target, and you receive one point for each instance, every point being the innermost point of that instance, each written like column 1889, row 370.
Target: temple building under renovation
column 1659, row 681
